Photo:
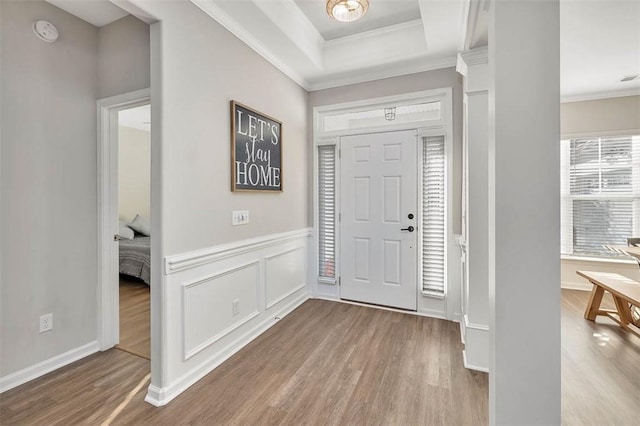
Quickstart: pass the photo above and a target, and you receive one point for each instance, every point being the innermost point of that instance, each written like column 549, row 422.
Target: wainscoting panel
column 206, row 314
column 218, row 299
column 285, row 274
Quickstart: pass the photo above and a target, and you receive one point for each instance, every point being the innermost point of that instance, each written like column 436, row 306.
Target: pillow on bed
column 141, row 225
column 124, row 231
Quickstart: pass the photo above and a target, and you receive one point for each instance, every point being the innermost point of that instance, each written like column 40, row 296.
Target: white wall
column 524, row 206
column 134, row 173
column 48, row 184
column 48, row 200
column 475, row 322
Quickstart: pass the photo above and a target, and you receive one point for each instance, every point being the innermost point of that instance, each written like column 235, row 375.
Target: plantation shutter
column 603, row 186
column 433, row 214
column 326, row 211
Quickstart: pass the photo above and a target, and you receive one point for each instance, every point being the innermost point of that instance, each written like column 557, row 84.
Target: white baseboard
column 47, row 366
column 471, row 366
column 585, row 286
column 476, row 354
column 161, row 396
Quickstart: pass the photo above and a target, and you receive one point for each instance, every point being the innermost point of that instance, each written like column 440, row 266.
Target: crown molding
column 387, row 71
column 600, row 95
column 469, row 58
column 473, row 10
column 290, row 20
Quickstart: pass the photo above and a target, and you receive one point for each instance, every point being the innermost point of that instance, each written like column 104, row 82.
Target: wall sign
column 256, row 150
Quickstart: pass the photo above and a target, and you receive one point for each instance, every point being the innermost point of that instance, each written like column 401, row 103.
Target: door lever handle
column 410, row 229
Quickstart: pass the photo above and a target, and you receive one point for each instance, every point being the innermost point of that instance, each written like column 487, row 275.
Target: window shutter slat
column 600, row 180
column 433, row 214
column 326, row 211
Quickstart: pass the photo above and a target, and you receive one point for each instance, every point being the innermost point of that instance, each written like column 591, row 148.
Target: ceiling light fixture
column 347, row 10
column 390, row 114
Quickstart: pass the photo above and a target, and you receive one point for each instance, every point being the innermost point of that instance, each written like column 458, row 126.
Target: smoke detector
column 630, row 78
column 46, row 31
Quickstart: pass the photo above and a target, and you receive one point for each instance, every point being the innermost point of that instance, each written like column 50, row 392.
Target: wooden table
column 628, row 250
column 625, row 293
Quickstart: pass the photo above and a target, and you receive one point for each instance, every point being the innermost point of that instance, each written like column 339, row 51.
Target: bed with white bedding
column 135, row 249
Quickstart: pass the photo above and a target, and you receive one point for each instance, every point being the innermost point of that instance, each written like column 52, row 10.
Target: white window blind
column 326, row 211
column 600, row 179
column 433, row 214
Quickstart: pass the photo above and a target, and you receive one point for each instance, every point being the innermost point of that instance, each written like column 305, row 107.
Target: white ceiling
column 381, row 14
column 138, row 118
column 600, row 39
column 599, row 45
column 96, row 12
column 395, row 37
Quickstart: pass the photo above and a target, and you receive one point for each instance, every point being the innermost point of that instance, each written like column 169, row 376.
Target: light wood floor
column 135, row 317
column 325, row 363
column 600, row 367
column 332, row 363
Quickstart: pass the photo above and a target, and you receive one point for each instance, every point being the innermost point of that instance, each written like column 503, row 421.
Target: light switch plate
column 240, row 217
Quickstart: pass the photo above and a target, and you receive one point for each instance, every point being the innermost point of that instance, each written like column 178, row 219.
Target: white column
column 524, row 212
column 473, row 65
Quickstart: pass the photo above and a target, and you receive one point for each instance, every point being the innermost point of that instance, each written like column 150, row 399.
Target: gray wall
column 600, row 116
column 123, row 60
column 191, row 94
column 48, row 184
column 48, row 172
column 447, row 77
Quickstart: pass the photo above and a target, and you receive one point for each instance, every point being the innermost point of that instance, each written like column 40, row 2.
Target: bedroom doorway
column 134, row 229
column 124, row 223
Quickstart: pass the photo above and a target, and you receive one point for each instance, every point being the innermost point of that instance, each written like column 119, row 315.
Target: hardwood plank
column 135, row 317
column 334, row 363
column 600, row 367
column 325, row 363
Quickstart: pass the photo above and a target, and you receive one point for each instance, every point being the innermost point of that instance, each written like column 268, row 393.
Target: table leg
column 623, row 310
column 594, row 303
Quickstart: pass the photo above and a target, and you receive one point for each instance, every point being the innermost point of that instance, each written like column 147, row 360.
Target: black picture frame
column 256, row 150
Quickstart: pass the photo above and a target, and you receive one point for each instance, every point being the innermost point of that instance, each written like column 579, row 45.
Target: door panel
column 378, row 192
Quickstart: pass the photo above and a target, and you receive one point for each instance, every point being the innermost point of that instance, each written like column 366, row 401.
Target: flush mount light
column 347, row 10
column 46, row 31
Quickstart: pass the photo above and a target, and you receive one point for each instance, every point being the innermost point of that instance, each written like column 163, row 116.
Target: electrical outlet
column 235, row 306
column 46, row 323
column 240, row 217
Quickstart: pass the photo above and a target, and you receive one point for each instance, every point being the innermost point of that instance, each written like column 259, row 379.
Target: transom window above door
column 380, row 117
column 418, row 110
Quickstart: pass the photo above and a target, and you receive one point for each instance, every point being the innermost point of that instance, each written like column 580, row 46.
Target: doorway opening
column 124, row 222
column 134, row 229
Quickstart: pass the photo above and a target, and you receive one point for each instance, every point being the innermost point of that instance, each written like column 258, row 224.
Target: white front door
column 379, row 219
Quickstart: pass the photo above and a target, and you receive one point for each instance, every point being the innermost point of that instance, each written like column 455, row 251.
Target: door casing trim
column 107, row 208
column 444, row 127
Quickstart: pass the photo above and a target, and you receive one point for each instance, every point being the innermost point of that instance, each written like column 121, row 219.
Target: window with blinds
column 600, row 181
column 327, row 211
column 433, row 215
